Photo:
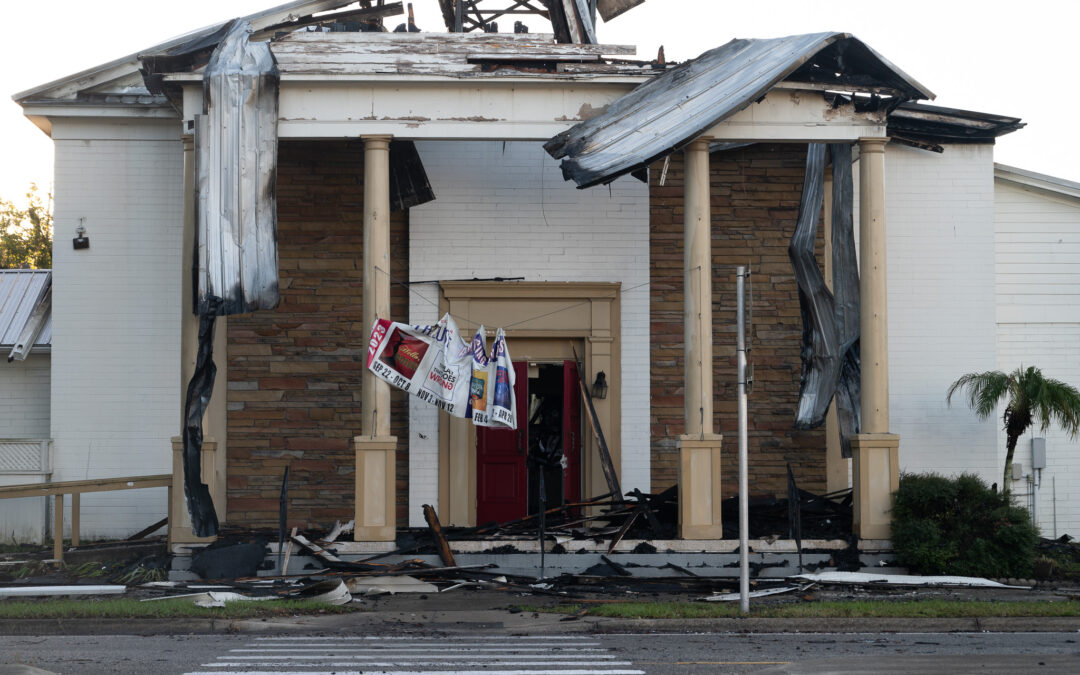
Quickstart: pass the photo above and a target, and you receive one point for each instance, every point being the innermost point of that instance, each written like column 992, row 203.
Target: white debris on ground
column 900, row 580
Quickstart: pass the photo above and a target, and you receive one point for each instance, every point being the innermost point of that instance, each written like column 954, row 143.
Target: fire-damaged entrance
column 520, row 472
column 549, row 326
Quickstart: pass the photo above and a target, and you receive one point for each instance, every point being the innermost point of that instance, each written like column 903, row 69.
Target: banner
column 434, row 364
column 503, row 403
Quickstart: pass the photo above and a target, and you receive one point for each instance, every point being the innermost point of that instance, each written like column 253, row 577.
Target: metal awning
column 669, row 111
column 25, row 314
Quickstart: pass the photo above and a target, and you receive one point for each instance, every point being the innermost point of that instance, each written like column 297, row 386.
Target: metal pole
column 459, row 16
column 1036, row 479
column 1053, row 484
column 744, row 524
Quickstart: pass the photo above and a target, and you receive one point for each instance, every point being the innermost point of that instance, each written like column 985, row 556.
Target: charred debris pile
column 247, row 564
column 654, row 517
column 239, row 557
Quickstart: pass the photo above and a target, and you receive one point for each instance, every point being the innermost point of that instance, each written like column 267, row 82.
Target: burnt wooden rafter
column 475, row 18
column 367, row 12
column 481, row 18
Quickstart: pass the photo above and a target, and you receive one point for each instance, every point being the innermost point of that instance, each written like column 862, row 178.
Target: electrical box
column 1017, row 471
column 1038, row 453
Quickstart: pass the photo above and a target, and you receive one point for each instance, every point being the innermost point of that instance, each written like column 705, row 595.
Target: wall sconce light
column 600, row 386
column 80, row 240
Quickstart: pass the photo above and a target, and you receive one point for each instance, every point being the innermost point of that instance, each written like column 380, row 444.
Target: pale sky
column 991, row 56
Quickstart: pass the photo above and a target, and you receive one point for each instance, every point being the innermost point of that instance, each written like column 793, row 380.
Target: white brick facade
column 116, row 313
column 24, row 413
column 1037, row 267
column 940, row 224
column 503, row 209
column 24, row 397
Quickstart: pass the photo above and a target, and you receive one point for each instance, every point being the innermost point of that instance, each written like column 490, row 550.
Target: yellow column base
column 699, row 487
column 179, row 518
column 376, row 488
column 875, row 472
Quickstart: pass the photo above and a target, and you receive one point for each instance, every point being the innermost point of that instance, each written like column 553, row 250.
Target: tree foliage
column 26, row 233
column 1031, row 398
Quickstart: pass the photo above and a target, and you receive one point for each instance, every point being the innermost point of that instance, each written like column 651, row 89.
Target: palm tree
column 1030, row 397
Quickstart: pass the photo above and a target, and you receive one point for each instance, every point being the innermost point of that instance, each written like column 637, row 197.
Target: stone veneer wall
column 295, row 372
column 755, row 202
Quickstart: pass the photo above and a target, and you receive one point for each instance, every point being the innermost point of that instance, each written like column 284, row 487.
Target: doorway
column 547, row 324
column 537, row 466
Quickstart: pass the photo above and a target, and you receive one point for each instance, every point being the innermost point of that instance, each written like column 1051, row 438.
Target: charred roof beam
column 928, row 127
column 474, row 18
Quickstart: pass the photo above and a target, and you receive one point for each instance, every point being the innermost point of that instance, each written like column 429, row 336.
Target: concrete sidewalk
column 467, row 611
column 468, row 622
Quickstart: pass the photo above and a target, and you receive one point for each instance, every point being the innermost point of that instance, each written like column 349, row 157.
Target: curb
column 469, row 620
column 817, row 625
column 140, row 626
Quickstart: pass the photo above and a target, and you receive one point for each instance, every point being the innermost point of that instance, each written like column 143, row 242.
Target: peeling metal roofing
column 927, row 125
column 669, row 111
column 20, row 293
column 293, row 12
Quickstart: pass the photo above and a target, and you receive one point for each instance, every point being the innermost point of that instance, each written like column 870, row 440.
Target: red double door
column 502, row 480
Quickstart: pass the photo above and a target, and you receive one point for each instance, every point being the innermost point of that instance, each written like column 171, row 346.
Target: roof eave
column 1037, row 181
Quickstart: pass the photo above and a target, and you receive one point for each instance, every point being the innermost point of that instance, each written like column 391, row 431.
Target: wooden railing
column 75, row 488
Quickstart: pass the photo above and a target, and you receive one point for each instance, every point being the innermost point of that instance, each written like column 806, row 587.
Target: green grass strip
column 128, row 608
column 856, row 609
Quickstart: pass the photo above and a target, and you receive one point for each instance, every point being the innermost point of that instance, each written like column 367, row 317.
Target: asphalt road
column 571, row 654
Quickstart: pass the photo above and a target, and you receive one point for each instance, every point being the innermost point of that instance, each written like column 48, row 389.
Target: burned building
column 291, row 176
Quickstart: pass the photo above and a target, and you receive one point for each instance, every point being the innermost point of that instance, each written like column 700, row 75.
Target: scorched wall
column 755, row 203
column 295, row 372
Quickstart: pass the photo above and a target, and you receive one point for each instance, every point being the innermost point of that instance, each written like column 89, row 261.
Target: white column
column 875, row 452
column 376, row 493
column 189, row 322
column 376, row 393
column 213, row 456
column 699, row 447
column 697, row 292
column 873, row 304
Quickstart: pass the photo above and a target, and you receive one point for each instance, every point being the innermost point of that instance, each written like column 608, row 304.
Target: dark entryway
column 510, row 463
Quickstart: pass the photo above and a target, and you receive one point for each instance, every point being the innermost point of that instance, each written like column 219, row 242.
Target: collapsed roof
column 291, row 14
column 659, row 117
column 569, row 19
column 672, row 109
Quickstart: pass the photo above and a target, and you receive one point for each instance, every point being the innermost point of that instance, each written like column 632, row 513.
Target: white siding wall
column 505, row 210
column 116, row 313
column 940, row 223
column 24, row 397
column 1038, row 286
column 24, row 413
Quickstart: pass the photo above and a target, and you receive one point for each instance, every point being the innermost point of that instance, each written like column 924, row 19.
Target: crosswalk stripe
column 501, row 655
column 405, row 655
column 400, row 648
column 398, row 638
column 425, row 672
column 444, row 664
column 426, row 645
